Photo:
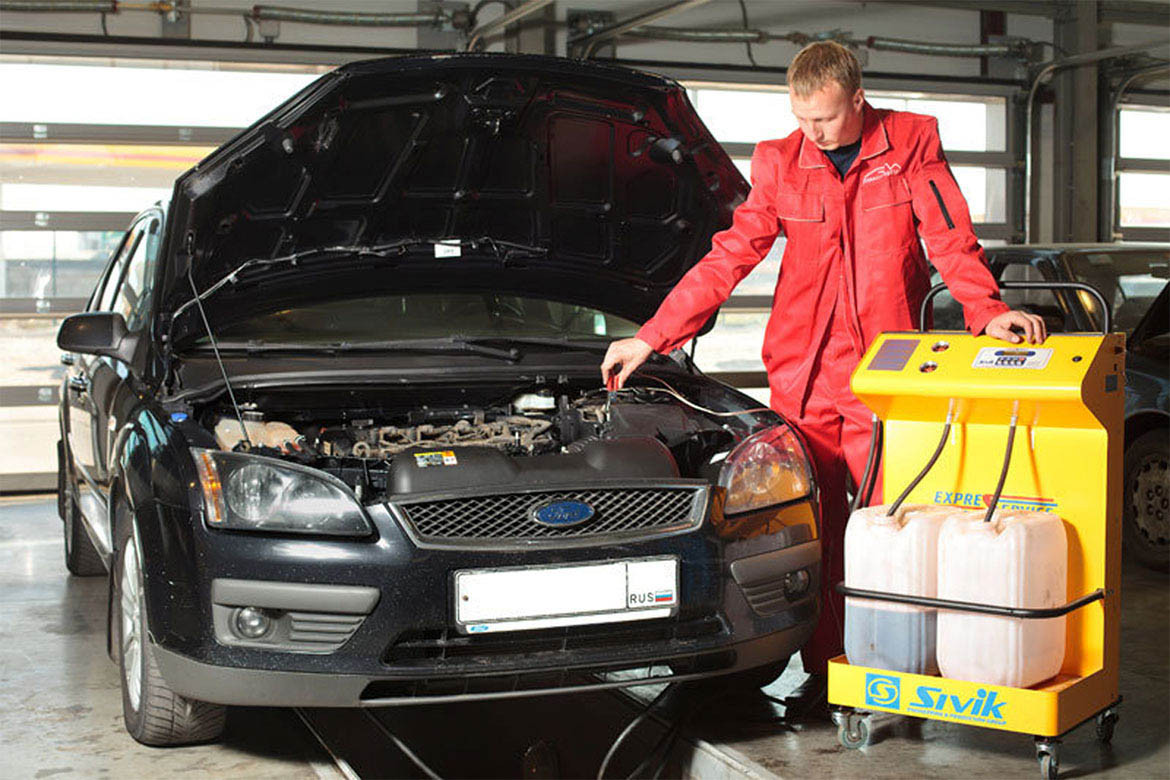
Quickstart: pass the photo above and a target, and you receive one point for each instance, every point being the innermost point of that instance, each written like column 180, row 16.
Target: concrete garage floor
column 63, row 709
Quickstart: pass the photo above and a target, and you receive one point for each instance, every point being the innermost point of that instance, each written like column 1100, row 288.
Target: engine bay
column 521, row 435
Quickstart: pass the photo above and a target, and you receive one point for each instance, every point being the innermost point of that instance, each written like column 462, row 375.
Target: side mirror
column 97, row 333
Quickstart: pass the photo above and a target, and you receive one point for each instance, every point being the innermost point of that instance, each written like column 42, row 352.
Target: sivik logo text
column 981, row 706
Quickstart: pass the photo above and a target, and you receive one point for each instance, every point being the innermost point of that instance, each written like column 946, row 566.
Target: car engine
column 538, row 436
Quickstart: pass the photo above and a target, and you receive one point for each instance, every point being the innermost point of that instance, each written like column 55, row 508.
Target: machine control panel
column 1012, row 357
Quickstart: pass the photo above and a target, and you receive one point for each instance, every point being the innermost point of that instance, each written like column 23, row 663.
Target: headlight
column 253, row 493
column 765, row 469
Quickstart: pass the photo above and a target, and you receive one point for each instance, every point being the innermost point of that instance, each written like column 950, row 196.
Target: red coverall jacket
column 860, row 233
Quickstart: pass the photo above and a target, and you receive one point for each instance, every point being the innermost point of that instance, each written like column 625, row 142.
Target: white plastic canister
column 1019, row 559
column 895, row 554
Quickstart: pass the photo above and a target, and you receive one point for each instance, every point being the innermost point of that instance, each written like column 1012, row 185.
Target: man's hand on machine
column 621, row 359
column 1035, row 331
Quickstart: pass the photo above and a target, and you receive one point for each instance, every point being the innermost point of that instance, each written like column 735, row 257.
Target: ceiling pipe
column 501, row 22
column 739, row 35
column 592, row 41
column 1044, row 70
column 59, row 6
column 1020, row 48
column 276, row 13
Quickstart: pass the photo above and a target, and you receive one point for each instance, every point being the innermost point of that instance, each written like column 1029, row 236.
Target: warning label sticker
column 443, row 458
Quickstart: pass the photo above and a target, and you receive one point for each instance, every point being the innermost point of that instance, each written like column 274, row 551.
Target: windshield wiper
column 452, row 344
column 596, row 344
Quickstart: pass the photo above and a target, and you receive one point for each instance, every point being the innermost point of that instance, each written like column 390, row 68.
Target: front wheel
column 1147, row 500
column 152, row 712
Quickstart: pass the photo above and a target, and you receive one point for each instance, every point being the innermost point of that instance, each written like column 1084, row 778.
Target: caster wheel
column 853, row 731
column 1049, row 767
column 1048, row 754
column 1106, row 722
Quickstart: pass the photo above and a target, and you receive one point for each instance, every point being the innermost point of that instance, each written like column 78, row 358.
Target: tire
column 1146, row 514
column 81, row 557
column 153, row 713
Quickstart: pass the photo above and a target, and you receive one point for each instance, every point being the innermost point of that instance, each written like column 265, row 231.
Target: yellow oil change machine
column 1063, row 400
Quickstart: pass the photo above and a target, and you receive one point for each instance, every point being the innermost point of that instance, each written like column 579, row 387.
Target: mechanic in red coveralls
column 852, row 190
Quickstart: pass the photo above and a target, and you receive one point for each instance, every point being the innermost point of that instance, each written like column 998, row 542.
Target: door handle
column 78, row 384
column 66, row 358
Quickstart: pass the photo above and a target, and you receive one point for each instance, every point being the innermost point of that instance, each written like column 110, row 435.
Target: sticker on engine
column 444, row 458
column 448, row 249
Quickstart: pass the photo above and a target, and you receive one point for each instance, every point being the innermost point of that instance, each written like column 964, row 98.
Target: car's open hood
column 609, row 171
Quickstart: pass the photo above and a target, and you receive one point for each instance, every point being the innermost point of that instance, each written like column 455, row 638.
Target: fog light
column 252, row 623
column 796, row 584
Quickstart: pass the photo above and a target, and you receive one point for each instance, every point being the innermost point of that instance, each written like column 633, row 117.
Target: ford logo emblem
column 561, row 514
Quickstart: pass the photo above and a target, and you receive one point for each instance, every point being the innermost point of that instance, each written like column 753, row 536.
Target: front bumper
column 270, row 688
column 370, row 623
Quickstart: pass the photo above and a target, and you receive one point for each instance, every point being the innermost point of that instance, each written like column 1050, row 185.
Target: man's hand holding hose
column 621, row 359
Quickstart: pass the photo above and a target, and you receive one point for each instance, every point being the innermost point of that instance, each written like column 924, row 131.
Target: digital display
column 997, row 357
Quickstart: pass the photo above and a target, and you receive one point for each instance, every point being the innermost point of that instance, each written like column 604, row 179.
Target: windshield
column 1130, row 281
column 425, row 316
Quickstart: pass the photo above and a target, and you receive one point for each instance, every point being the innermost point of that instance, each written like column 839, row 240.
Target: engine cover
column 429, row 469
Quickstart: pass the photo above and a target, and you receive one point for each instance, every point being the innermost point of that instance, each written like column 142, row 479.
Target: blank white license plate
column 548, row 596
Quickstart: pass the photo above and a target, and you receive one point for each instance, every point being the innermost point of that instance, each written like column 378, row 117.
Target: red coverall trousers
column 853, row 267
column 837, row 429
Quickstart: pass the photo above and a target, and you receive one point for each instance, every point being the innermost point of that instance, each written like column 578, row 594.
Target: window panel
column 985, row 190
column 1143, row 200
column 77, row 197
column 744, row 115
column 103, row 165
column 1143, row 132
column 114, row 280
column 53, row 263
column 134, row 293
column 188, row 94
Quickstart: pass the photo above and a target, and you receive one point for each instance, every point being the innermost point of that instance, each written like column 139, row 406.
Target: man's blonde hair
column 817, row 64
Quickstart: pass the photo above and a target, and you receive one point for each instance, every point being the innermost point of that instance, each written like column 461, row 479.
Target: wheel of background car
column 152, row 712
column 1147, row 500
column 81, row 557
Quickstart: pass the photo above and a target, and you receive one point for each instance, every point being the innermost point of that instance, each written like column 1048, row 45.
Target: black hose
column 629, row 729
column 1007, row 459
column 929, row 464
column 872, row 482
column 870, row 459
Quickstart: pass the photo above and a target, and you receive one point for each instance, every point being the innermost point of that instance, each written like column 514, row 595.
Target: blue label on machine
column 882, row 690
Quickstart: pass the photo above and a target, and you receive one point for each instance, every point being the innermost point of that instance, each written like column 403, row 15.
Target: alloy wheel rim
column 132, row 633
column 1151, row 500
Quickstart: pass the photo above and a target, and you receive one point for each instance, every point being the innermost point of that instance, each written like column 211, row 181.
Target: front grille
column 619, row 674
column 618, row 511
column 424, row 648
